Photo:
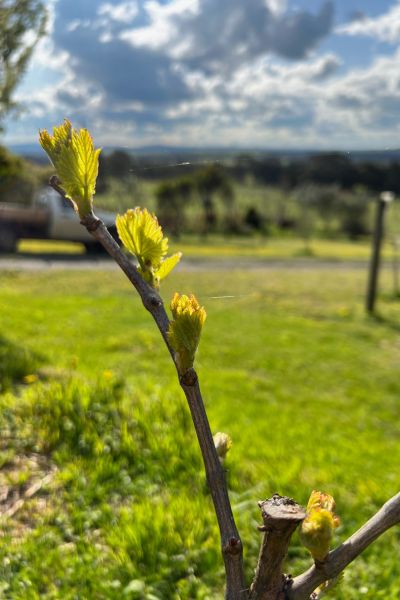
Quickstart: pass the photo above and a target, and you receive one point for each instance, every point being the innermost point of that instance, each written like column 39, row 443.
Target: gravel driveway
column 42, row 262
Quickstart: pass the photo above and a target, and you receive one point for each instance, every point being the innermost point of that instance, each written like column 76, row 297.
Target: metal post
column 383, row 201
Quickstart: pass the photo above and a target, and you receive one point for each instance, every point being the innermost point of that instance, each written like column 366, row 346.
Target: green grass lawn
column 277, row 248
column 222, row 247
column 290, row 367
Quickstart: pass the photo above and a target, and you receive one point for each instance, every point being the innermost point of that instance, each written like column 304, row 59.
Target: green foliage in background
column 19, row 179
column 113, row 526
column 327, row 195
column 17, row 19
column 310, row 401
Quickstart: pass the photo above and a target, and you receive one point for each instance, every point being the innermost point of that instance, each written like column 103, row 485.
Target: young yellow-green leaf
column 320, row 500
column 142, row 235
column 52, row 144
column 167, row 265
column 76, row 162
column 185, row 329
column 317, row 529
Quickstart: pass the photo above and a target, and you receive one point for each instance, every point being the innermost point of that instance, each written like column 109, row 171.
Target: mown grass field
column 291, row 368
column 220, row 247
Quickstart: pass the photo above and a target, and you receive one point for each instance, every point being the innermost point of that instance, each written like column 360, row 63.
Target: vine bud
column 222, row 443
column 185, row 329
column 317, row 529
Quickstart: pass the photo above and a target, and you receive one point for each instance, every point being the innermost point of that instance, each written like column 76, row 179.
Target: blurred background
column 274, row 119
column 265, row 136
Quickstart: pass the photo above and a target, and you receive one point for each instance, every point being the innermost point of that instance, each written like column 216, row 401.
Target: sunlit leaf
column 167, row 265
column 76, row 162
column 142, row 235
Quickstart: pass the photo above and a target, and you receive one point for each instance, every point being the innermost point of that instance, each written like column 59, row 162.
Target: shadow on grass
column 16, row 363
column 380, row 319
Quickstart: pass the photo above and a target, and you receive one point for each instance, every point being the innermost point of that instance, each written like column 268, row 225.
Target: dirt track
column 42, row 262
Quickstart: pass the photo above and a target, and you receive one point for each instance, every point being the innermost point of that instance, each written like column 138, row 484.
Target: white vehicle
column 49, row 217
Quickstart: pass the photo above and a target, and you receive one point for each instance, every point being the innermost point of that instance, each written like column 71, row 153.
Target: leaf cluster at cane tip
column 317, row 529
column 185, row 329
column 76, row 162
column 142, row 235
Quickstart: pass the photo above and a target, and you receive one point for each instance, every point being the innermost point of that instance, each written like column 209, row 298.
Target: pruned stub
column 280, row 509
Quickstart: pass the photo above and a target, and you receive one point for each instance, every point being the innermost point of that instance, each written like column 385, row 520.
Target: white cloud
column 208, row 72
column 105, row 37
column 277, row 6
column 73, row 25
column 155, row 36
column 124, row 12
column 317, row 69
column 275, row 104
column 163, row 27
column 385, row 28
column 213, row 35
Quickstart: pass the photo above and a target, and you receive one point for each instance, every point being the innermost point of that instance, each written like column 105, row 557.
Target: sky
column 272, row 74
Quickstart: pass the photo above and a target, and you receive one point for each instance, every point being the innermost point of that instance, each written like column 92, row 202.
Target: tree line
column 328, row 168
column 325, row 194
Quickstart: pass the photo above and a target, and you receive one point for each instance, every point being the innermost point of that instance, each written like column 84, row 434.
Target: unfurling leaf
column 76, row 162
column 321, row 500
column 317, row 529
column 222, row 443
column 142, row 235
column 185, row 329
column 167, row 265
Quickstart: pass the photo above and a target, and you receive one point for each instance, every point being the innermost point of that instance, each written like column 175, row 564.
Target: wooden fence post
column 396, row 265
column 383, row 201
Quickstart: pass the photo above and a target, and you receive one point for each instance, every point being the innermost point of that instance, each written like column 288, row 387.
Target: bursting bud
column 222, row 443
column 185, row 329
column 317, row 529
column 142, row 236
column 76, row 162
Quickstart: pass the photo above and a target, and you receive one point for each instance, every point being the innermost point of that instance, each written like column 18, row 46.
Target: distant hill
column 35, row 152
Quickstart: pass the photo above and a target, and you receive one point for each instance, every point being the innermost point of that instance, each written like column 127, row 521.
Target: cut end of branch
column 278, row 511
column 281, row 516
